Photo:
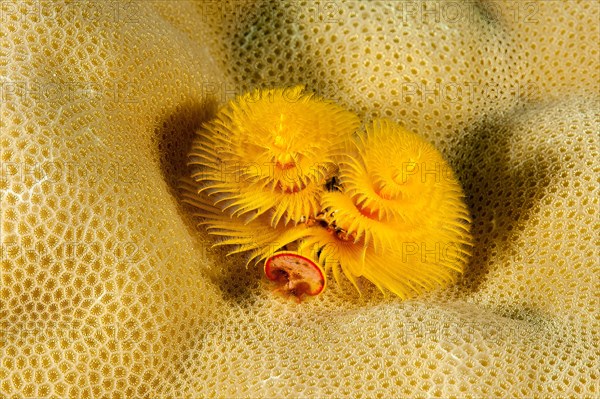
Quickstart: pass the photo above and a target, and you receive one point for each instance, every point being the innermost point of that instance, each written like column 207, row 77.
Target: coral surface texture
column 110, row 289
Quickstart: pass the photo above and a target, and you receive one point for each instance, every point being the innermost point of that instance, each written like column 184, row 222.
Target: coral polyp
column 271, row 151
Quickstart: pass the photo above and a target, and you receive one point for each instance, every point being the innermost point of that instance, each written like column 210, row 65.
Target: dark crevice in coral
column 508, row 190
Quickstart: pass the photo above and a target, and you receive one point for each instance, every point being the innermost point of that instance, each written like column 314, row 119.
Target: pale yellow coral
column 108, row 289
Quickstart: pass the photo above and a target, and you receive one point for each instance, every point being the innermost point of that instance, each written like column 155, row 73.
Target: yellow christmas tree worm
column 398, row 183
column 255, row 236
column 270, row 150
column 292, row 273
column 393, row 214
column 400, row 220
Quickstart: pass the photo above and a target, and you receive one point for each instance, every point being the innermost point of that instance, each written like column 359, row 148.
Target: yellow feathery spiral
column 271, row 151
column 400, row 219
column 399, row 184
column 406, row 270
column 256, row 236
